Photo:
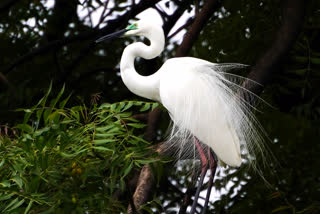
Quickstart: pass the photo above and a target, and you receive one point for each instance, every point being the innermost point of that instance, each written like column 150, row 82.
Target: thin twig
column 112, row 25
column 196, row 7
column 164, row 16
column 185, row 25
column 101, row 19
column 89, row 15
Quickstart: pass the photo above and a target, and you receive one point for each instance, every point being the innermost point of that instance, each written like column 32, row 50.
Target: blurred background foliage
column 52, row 41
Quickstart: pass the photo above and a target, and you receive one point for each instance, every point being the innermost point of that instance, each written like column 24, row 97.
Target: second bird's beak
column 112, row 35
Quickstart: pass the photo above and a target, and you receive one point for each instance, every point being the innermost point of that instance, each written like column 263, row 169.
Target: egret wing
column 201, row 103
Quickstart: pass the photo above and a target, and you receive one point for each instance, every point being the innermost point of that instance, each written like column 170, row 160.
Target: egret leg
column 204, row 169
column 213, row 168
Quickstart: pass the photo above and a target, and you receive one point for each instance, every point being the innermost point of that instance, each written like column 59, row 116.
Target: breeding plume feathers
column 204, row 102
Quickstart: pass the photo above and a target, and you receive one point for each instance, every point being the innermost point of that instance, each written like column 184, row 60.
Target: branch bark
column 143, row 189
column 268, row 63
column 191, row 36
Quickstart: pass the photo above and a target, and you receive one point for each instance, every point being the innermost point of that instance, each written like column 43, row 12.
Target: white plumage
column 201, row 101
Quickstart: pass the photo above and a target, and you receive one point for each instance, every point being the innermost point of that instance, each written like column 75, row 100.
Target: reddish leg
column 212, row 167
column 204, row 169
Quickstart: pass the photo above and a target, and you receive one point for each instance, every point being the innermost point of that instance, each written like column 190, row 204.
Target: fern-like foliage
column 72, row 160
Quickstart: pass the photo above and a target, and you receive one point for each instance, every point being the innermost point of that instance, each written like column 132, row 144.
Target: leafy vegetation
column 72, row 159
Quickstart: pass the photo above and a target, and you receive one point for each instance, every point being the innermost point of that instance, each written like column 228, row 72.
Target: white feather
column 202, row 104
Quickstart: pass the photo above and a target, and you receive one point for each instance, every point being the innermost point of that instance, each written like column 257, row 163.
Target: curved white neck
column 144, row 86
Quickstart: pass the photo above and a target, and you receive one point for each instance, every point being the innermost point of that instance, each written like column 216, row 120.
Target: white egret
column 199, row 96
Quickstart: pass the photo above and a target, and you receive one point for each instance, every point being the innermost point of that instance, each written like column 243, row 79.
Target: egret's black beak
column 112, row 35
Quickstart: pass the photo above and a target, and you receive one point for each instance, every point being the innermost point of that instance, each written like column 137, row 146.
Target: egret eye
column 134, row 26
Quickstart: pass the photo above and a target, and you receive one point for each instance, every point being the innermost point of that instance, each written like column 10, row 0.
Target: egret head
column 139, row 28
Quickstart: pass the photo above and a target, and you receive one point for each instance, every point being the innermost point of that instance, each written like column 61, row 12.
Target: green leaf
column 154, row 105
column 128, row 169
column 145, row 161
column 105, row 128
column 146, row 107
column 12, row 203
column 2, row 162
column 39, row 114
column 137, row 125
column 139, row 139
column 41, row 131
column 101, row 148
column 54, row 102
column 26, row 117
column 114, row 130
column 125, row 114
column 122, row 104
column 64, row 102
column 5, row 183
column 72, row 155
column 28, row 207
column 129, row 105
column 17, row 204
column 106, row 135
column 44, row 99
column 138, row 103
column 75, row 113
column 6, row 196
column 24, row 127
column 17, row 180
column 103, row 141
column 104, row 106
column 147, row 209
column 113, row 106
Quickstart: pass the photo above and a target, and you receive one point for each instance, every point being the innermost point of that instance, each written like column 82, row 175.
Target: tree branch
column 208, row 8
column 268, row 63
column 102, row 16
column 143, row 189
column 112, row 25
column 188, row 22
column 172, row 19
